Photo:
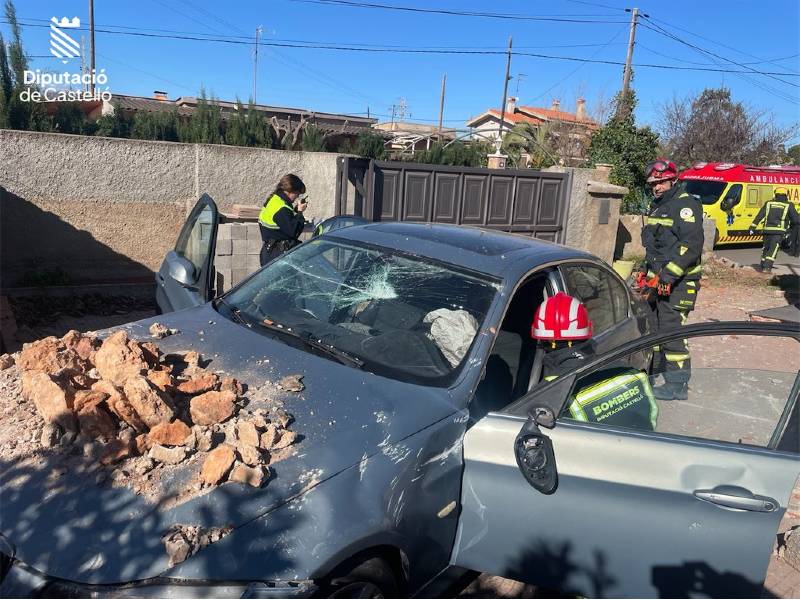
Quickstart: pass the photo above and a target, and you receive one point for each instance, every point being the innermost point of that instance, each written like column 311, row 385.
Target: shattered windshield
column 397, row 315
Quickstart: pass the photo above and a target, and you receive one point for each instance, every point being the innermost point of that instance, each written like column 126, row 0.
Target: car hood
column 69, row 527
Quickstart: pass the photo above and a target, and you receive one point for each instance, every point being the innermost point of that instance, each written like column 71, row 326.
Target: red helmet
column 561, row 317
column 661, row 170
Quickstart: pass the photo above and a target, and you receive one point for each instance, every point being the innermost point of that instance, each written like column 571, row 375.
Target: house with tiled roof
column 577, row 126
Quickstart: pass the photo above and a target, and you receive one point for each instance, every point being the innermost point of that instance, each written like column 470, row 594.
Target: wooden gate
column 523, row 201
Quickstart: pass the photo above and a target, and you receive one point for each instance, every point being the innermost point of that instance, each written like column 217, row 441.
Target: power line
column 697, row 35
column 706, row 63
column 459, row 13
column 434, row 51
column 658, row 29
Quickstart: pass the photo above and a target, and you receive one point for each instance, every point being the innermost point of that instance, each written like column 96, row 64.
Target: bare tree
column 712, row 127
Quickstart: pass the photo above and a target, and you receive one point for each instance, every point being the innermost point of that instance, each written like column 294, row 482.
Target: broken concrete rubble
column 182, row 541
column 254, row 476
column 6, row 361
column 212, row 407
column 217, row 465
column 141, row 415
column 292, row 383
column 159, row 331
column 170, row 434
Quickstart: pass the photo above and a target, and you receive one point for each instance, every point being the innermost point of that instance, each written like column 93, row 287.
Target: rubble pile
column 124, row 404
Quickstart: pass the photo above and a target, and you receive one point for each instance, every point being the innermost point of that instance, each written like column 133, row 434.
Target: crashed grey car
column 429, row 448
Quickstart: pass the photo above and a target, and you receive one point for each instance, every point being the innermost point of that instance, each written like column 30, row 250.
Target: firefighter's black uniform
column 614, row 396
column 673, row 239
column 778, row 215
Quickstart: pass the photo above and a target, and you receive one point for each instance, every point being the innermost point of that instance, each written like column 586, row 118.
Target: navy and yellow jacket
column 778, row 216
column 279, row 220
column 673, row 237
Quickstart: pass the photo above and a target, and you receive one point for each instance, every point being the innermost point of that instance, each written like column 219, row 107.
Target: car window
column 405, row 317
column 195, row 242
column 604, row 297
column 738, row 391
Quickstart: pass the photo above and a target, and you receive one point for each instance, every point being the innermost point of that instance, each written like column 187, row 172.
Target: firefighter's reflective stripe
column 267, row 215
column 677, row 357
column 683, row 250
column 674, row 269
column 550, row 377
column 619, row 395
column 660, row 221
column 695, row 270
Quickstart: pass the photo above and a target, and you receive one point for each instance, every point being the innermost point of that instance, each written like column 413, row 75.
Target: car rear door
column 689, row 509
column 186, row 277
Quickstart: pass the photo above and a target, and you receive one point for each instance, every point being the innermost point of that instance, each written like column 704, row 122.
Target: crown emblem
column 73, row 23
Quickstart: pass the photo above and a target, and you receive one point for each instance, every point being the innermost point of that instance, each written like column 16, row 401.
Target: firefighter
column 778, row 215
column 614, row 396
column 281, row 219
column 673, row 239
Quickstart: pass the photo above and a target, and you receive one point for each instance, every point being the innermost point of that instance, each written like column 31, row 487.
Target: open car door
column 186, row 276
column 689, row 506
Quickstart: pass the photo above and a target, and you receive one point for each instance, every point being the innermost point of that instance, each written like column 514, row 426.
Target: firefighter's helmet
column 561, row 318
column 782, row 191
column 661, row 170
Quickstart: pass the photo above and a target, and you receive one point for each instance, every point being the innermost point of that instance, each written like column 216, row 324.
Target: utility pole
column 91, row 45
column 626, row 79
column 84, row 85
column 259, row 29
column 505, row 97
column 441, row 103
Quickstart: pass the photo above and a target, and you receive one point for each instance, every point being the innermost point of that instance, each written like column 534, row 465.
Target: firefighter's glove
column 664, row 288
column 641, row 280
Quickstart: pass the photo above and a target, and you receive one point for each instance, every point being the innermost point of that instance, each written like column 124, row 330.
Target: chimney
column 580, row 109
column 161, row 96
column 511, row 104
column 556, row 104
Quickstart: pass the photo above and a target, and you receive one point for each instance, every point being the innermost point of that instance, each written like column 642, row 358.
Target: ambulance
column 732, row 195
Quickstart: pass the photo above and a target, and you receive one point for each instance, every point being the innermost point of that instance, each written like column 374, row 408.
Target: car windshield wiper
column 236, row 314
column 340, row 355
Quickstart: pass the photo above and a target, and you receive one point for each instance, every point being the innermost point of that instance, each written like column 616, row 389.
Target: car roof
column 492, row 252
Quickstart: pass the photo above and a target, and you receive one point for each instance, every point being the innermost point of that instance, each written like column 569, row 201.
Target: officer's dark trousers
column 772, row 242
column 672, row 359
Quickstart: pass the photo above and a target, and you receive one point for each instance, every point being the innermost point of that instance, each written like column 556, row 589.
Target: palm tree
column 534, row 140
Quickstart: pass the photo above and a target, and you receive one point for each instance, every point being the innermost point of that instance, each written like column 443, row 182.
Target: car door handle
column 742, row 500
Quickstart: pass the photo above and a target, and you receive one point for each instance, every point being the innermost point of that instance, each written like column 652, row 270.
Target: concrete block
column 224, row 231
column 239, row 246
column 224, row 247
column 239, row 261
column 238, row 231
column 253, row 231
column 238, row 275
column 223, row 263
column 253, row 262
column 254, row 246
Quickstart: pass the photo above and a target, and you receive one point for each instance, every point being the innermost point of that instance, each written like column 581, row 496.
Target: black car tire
column 372, row 578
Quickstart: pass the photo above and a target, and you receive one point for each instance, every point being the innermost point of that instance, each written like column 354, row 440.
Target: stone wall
column 593, row 211
column 105, row 209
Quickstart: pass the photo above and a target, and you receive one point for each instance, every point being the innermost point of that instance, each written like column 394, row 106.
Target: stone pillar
column 497, row 161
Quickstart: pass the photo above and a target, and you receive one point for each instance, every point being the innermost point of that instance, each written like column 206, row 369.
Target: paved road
column 751, row 255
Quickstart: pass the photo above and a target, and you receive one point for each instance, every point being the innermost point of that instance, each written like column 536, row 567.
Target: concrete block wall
column 237, row 253
column 106, row 210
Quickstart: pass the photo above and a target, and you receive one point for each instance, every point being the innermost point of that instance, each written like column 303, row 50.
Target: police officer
column 615, row 396
column 673, row 240
column 778, row 215
column 281, row 219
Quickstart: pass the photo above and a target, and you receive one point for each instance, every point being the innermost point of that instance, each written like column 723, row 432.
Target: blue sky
column 748, row 33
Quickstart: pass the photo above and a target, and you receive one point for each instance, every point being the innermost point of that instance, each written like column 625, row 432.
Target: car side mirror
column 535, row 457
column 181, row 269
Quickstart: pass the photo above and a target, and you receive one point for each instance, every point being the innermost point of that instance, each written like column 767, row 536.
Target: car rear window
column 404, row 316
